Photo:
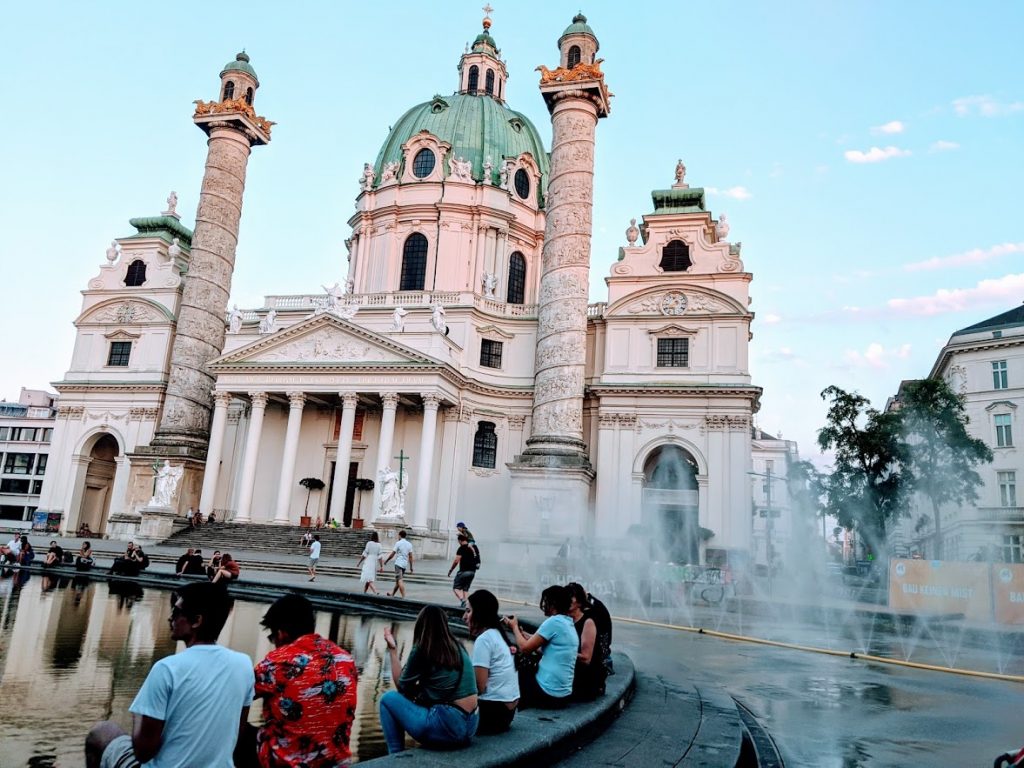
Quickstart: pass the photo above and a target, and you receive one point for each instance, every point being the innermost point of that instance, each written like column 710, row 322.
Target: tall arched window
column 414, row 263
column 574, row 56
column 675, row 257
column 136, row 274
column 516, row 279
column 489, row 82
column 485, row 446
column 248, row 96
column 229, row 90
column 474, row 79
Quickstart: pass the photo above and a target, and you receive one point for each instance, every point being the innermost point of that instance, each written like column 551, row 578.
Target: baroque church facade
column 460, row 366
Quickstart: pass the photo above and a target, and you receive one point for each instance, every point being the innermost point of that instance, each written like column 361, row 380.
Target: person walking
column 465, row 561
column 314, row 557
column 370, row 562
column 308, row 686
column 403, row 555
column 192, row 704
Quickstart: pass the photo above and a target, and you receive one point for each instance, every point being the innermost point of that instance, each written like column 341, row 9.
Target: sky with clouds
column 868, row 155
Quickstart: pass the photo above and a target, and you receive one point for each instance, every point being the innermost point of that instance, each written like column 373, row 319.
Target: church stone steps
column 281, row 539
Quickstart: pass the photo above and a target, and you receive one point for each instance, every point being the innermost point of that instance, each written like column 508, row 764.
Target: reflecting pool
column 73, row 652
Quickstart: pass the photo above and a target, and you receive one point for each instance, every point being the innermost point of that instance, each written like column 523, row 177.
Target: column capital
column 297, row 400
column 221, row 399
column 431, row 401
column 349, row 400
column 390, row 400
column 259, row 399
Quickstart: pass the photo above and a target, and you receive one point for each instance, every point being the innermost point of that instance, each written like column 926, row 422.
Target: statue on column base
column 392, row 496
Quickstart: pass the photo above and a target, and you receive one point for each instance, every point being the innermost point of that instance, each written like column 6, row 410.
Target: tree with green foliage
column 311, row 484
column 869, row 484
column 942, row 455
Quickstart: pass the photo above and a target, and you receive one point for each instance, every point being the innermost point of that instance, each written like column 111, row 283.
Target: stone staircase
column 279, row 539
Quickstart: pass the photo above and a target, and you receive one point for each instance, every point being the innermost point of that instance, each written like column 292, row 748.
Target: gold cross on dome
column 487, row 11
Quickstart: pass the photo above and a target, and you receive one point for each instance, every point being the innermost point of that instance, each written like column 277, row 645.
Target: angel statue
column 334, row 295
column 392, row 493
column 167, row 479
column 490, row 281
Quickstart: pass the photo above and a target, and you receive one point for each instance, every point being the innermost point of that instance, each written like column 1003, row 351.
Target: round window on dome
column 423, row 164
column 522, row 179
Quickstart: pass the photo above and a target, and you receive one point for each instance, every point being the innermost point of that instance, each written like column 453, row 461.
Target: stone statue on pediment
column 167, row 479
column 269, row 322
column 398, row 319
column 235, row 320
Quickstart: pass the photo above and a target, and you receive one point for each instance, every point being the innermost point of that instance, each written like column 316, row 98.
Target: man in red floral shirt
column 309, row 689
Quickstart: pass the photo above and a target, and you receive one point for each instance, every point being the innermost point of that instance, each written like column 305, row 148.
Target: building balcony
column 998, row 514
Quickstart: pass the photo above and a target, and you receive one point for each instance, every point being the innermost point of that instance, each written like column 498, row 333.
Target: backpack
column 476, row 552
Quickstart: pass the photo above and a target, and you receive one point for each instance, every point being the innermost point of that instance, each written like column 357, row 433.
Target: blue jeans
column 440, row 726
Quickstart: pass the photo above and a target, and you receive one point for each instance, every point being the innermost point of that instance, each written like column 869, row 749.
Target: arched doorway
column 670, row 504
column 99, row 483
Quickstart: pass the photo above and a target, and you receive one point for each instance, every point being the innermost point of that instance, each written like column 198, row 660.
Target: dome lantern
column 238, row 80
column 578, row 43
column 481, row 70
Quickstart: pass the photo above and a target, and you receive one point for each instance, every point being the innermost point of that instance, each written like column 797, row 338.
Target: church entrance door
column 670, row 505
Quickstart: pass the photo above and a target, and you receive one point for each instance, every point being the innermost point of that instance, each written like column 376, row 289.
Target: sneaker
column 462, row 604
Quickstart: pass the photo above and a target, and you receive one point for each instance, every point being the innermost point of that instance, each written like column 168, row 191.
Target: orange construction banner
column 936, row 586
column 1008, row 589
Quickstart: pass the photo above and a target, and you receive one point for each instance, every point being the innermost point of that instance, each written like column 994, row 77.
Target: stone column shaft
column 199, row 336
column 339, row 484
column 252, row 454
column 387, row 436
column 426, row 459
column 212, row 473
column 557, row 425
column 296, row 402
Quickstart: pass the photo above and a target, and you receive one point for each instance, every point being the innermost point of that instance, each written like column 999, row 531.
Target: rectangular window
column 5, row 433
column 18, row 464
column 673, row 353
column 120, row 351
column 24, row 434
column 11, row 512
column 14, row 486
column 47, row 435
column 1012, row 549
column 41, row 463
column 490, row 353
column 999, row 380
column 37, row 487
column 1007, row 488
column 1004, row 430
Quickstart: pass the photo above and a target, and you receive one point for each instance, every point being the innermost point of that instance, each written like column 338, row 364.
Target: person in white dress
column 370, row 561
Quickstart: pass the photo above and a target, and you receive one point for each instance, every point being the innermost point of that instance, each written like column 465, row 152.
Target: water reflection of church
column 463, row 339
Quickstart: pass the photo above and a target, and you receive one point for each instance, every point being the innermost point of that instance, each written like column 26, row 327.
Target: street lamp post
column 769, row 521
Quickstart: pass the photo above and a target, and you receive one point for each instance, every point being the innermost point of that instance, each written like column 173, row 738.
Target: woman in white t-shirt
column 496, row 677
column 370, row 560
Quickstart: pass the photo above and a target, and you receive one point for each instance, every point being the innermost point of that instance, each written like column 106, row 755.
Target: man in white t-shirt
column 403, row 561
column 314, row 557
column 11, row 551
column 193, row 704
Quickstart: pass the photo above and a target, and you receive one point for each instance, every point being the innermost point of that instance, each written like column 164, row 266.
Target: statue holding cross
column 392, row 489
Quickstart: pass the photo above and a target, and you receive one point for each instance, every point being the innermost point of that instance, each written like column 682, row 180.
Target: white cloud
column 975, row 256
column 1006, row 290
column 985, row 106
column 893, row 126
column 736, row 193
column 771, row 319
column 875, row 154
column 876, row 356
column 943, row 146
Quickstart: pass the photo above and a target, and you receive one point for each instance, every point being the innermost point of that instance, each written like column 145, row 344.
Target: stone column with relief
column 554, row 472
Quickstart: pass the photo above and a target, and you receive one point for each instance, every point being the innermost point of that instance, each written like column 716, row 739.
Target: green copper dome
column 241, row 64
column 477, row 127
column 579, row 26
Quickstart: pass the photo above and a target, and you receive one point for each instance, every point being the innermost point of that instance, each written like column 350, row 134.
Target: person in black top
column 465, row 560
column 599, row 613
column 55, row 556
column 179, row 567
column 588, row 679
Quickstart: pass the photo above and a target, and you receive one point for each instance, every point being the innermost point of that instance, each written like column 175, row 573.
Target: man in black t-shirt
column 465, row 560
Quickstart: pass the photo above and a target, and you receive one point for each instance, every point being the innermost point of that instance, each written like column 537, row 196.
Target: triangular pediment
column 322, row 340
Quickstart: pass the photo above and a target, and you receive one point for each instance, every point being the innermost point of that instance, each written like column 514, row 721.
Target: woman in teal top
column 551, row 686
column 436, row 696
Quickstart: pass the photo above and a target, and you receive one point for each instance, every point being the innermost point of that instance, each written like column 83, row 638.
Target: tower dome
column 241, row 64
column 477, row 127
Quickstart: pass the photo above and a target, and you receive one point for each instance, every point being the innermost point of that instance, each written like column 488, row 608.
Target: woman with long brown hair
column 435, row 700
